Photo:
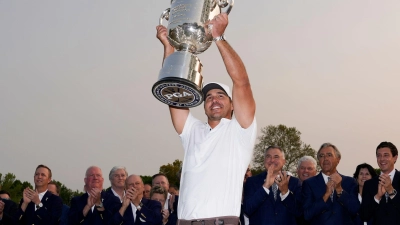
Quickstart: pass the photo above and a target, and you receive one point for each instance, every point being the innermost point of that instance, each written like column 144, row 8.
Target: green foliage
column 172, row 171
column 256, row 171
column 13, row 186
column 7, row 181
column 288, row 138
column 377, row 170
column 67, row 194
column 26, row 184
column 146, row 179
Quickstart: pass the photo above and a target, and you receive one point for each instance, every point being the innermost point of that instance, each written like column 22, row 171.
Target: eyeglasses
column 328, row 155
column 269, row 157
column 119, row 175
column 94, row 176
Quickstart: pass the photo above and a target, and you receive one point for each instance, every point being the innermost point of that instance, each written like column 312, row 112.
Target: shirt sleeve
column 266, row 190
column 187, row 130
column 285, row 195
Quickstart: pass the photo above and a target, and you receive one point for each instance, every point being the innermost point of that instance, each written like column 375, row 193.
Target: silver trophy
column 180, row 81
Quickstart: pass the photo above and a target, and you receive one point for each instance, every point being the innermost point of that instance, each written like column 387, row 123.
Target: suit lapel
column 321, row 186
column 46, row 197
column 396, row 180
column 84, row 199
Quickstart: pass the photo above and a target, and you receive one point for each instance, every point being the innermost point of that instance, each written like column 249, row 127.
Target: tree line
column 288, row 138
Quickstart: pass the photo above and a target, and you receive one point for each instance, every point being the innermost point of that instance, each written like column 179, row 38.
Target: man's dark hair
column 174, row 186
column 363, row 166
column 274, row 147
column 158, row 174
column 43, row 166
column 326, row 145
column 58, row 188
column 389, row 145
column 5, row 192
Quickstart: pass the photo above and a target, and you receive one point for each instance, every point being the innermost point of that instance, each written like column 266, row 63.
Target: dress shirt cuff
column 266, row 190
column 376, row 200
column 285, row 195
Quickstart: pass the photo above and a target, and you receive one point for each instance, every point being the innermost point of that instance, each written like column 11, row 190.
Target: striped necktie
column 275, row 190
column 329, row 178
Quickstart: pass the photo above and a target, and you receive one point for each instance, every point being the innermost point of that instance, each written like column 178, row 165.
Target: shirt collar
column 42, row 194
column 117, row 195
column 325, row 177
column 391, row 174
column 222, row 121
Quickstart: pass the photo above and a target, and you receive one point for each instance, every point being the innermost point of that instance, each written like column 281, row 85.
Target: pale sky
column 76, row 78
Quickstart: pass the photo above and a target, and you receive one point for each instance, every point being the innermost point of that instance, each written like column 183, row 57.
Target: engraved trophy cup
column 180, row 81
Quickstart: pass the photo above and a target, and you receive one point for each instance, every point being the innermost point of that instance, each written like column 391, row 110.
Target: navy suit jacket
column 64, row 215
column 261, row 208
column 385, row 212
column 149, row 214
column 49, row 214
column 341, row 211
column 75, row 215
column 173, row 214
column 10, row 208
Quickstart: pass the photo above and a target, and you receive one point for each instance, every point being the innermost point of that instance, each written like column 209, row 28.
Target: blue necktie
column 275, row 190
column 332, row 191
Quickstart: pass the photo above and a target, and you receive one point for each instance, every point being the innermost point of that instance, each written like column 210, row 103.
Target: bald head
column 136, row 182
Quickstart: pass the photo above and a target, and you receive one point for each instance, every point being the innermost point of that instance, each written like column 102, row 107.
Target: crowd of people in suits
column 327, row 198
column 271, row 197
column 127, row 201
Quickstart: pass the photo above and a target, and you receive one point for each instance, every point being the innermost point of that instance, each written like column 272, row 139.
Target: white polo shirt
column 213, row 167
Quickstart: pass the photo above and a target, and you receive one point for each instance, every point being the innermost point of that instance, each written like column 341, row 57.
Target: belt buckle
column 219, row 222
column 203, row 222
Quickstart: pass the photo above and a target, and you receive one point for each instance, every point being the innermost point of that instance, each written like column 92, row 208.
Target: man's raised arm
column 244, row 105
column 178, row 115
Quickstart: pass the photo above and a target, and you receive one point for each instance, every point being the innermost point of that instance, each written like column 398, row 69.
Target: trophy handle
column 226, row 3
column 165, row 15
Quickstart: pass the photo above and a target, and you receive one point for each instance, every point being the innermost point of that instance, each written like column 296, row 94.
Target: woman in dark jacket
column 363, row 172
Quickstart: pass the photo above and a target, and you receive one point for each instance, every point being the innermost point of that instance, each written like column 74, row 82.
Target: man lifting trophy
column 223, row 143
column 180, row 80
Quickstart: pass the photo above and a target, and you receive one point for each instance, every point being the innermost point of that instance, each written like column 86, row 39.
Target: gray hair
column 91, row 167
column 115, row 168
column 307, row 158
column 325, row 145
column 274, row 147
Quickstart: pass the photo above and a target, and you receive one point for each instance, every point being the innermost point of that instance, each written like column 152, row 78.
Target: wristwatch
column 394, row 192
column 99, row 205
column 40, row 205
column 220, row 38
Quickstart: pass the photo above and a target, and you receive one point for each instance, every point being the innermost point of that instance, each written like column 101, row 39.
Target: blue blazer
column 64, row 215
column 49, row 214
column 10, row 208
column 385, row 212
column 149, row 214
column 75, row 215
column 173, row 215
column 261, row 208
column 341, row 211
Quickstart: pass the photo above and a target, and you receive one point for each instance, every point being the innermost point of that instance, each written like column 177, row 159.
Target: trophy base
column 178, row 92
column 180, row 81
